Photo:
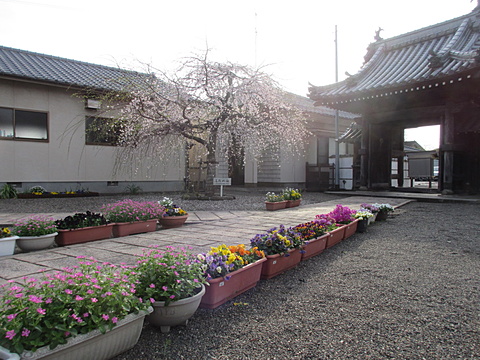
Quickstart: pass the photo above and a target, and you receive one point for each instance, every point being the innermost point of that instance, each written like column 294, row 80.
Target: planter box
column 137, row 227
column 362, row 225
column 335, row 236
column 176, row 313
column 382, row 215
column 222, row 290
column 83, row 235
column 93, row 345
column 293, row 203
column 315, row 247
column 351, row 229
column 34, row 243
column 278, row 264
column 50, row 195
column 170, row 222
column 272, row 206
column 7, row 245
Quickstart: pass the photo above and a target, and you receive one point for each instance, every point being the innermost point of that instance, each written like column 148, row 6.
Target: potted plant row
column 230, row 271
column 87, row 311
column 81, row 228
column 288, row 198
column 35, row 233
column 174, row 216
column 282, row 247
column 133, row 217
column 7, row 242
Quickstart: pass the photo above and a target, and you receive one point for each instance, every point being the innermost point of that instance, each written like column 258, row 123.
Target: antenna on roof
column 255, row 52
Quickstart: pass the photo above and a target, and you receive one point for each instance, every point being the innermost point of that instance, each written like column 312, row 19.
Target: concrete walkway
column 202, row 230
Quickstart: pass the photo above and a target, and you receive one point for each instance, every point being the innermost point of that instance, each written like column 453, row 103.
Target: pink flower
column 41, row 311
column 68, row 291
column 105, row 317
column 10, row 334
column 172, row 296
column 114, row 320
column 152, row 285
column 152, row 300
column 35, row 299
column 164, row 288
column 25, row 332
column 94, row 300
column 11, row 317
column 78, row 298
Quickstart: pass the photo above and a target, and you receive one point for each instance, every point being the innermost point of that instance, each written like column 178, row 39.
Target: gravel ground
column 245, row 199
column 406, row 289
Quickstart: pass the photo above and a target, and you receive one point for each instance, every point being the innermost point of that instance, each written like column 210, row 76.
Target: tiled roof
column 306, row 104
column 434, row 56
column 28, row 65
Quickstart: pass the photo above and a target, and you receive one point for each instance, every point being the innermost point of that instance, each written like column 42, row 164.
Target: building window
column 101, row 131
column 23, row 125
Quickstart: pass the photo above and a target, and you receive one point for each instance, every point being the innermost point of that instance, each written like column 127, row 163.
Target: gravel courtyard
column 406, row 289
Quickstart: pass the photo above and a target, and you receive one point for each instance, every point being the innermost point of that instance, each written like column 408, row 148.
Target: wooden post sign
column 222, row 182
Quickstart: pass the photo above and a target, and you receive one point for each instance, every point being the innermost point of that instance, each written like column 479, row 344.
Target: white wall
column 65, row 157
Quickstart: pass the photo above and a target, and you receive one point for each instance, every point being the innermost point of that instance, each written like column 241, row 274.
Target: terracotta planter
column 351, row 229
column 272, row 206
column 239, row 281
column 293, row 203
column 7, row 245
column 278, row 264
column 93, row 345
column 137, row 227
column 34, row 243
column 176, row 313
column 362, row 226
column 382, row 215
column 335, row 236
column 169, row 222
column 83, row 235
column 315, row 247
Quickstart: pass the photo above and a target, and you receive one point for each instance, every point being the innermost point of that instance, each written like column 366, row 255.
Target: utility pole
column 337, row 145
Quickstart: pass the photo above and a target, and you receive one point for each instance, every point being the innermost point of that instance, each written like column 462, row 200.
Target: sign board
column 222, row 181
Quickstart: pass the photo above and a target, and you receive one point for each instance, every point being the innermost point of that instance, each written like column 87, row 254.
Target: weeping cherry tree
column 205, row 102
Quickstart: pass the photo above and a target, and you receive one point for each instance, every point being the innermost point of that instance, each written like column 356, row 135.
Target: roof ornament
column 435, row 60
column 377, row 36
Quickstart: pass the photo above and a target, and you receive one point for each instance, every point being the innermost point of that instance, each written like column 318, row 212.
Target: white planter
column 7, row 245
column 93, row 345
column 176, row 313
column 33, row 243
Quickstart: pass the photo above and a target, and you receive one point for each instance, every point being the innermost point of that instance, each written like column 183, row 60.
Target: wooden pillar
column 363, row 152
column 447, row 146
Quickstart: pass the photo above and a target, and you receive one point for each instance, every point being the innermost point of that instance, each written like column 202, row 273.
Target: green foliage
column 8, row 192
column 133, row 189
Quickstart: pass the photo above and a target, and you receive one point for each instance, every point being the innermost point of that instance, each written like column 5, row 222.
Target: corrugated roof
column 414, row 61
column 23, row 64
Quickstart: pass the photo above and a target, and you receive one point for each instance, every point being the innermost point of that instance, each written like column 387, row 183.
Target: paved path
column 202, row 230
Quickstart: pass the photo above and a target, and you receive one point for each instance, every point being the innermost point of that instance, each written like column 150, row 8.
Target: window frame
column 14, row 125
column 98, row 143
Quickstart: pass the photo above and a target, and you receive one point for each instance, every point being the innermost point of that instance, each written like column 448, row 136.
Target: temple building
column 429, row 76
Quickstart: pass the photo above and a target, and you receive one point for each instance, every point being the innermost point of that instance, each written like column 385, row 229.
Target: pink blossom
column 78, row 298
column 11, row 317
column 114, row 320
column 10, row 334
column 41, row 311
column 105, row 317
column 172, row 296
column 94, row 300
column 152, row 285
column 152, row 300
column 164, row 288
column 25, row 332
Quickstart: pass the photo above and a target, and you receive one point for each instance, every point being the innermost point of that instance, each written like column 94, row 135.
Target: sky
column 294, row 40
